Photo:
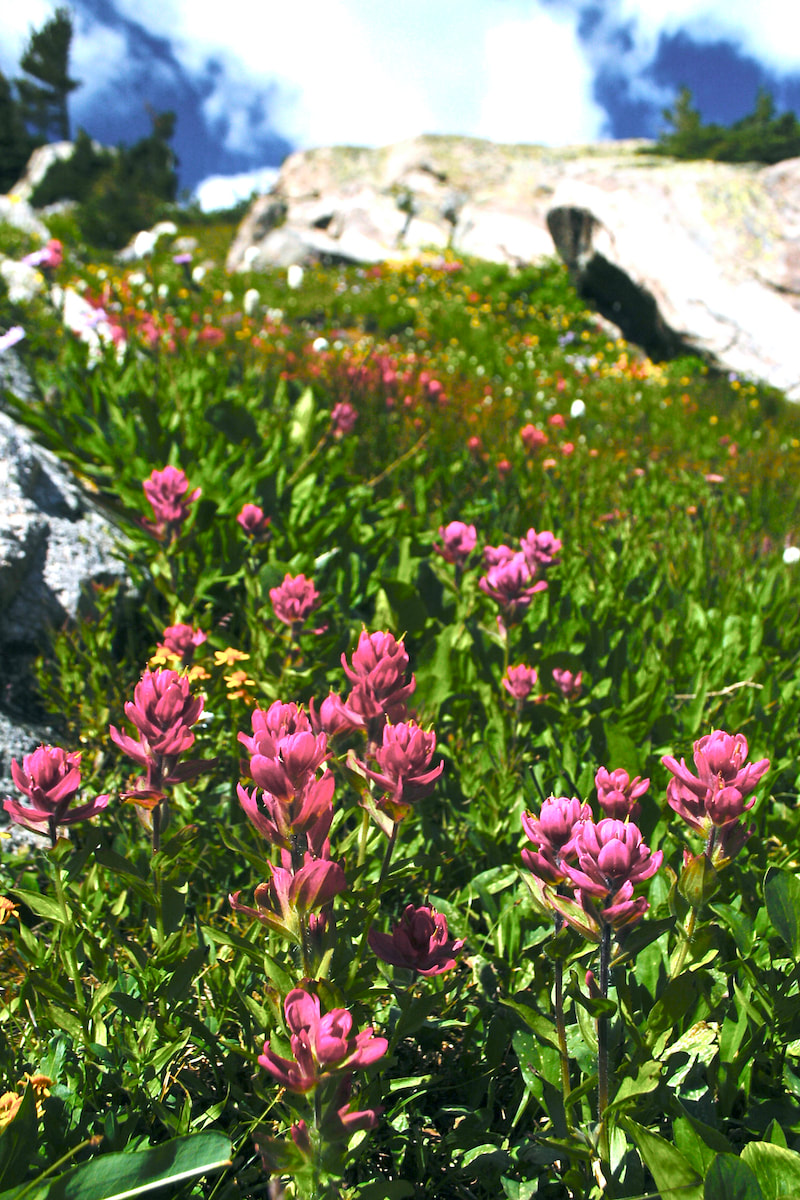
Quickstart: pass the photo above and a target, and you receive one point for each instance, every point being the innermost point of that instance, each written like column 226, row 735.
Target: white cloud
column 223, row 191
column 768, row 31
column 537, row 85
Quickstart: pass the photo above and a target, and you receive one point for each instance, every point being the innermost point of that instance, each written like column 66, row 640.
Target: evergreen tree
column 46, row 84
column 761, row 136
column 15, row 144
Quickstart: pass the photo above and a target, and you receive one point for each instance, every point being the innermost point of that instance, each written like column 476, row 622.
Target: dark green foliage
column 133, row 190
column 73, row 178
column 761, row 136
column 46, row 84
column 15, row 141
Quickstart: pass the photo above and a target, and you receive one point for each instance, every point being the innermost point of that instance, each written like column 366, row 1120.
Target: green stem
column 688, row 933
column 354, row 966
column 362, row 838
column 602, row 1043
column 67, row 947
column 558, row 989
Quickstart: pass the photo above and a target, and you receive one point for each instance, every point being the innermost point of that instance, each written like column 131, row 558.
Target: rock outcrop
column 54, row 543
column 693, row 257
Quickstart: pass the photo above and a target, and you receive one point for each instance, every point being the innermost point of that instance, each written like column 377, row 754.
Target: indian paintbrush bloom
column 50, row 778
column 254, row 522
column 713, row 801
column 618, row 794
column 458, row 542
column 288, row 895
column 322, row 1045
column 532, row 437
column 182, row 641
column 377, row 671
column 553, row 833
column 540, row 549
column 343, row 419
column 294, row 600
column 567, row 682
column 612, row 858
column 520, row 681
column 162, row 710
column 420, row 942
column 273, row 724
column 512, row 585
column 404, row 767
column 166, row 491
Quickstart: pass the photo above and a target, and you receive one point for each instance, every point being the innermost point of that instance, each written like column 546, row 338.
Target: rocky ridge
column 684, row 257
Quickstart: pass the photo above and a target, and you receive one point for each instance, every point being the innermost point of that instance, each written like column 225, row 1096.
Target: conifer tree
column 45, row 87
column 15, row 144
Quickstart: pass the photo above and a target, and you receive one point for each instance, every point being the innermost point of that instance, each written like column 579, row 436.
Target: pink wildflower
column 458, row 542
column 618, row 794
column 50, row 778
column 166, row 491
column 254, row 522
column 294, row 600
column 520, row 681
column 321, row 1045
column 420, row 942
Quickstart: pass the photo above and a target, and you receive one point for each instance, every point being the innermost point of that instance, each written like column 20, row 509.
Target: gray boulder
column 54, row 542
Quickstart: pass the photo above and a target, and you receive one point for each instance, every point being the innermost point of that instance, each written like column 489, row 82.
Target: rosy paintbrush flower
column 420, row 942
column 520, row 681
column 50, row 778
column 182, row 641
column 553, row 833
column 321, row 1045
column 167, row 493
column 713, row 801
column 567, row 682
column 618, row 794
column 532, row 437
column 458, row 542
column 511, row 585
column 288, row 895
column 540, row 549
column 404, row 767
column 253, row 521
column 377, row 671
column 343, row 419
column 294, row 600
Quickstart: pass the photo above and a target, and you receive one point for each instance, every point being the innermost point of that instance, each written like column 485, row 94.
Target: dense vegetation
column 527, row 1040
column 762, row 136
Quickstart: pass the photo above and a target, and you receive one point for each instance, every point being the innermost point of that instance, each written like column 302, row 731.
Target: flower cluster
column 254, row 522
column 377, row 671
column 181, row 641
column 293, row 601
column 458, row 542
column 618, row 794
column 166, row 491
column 420, row 942
column 322, row 1046
column 514, row 577
column 292, row 807
column 163, row 710
column 51, row 779
column 713, row 801
column 599, row 863
column 404, row 772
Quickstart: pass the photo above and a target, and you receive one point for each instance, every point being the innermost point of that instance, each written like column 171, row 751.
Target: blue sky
column 251, row 81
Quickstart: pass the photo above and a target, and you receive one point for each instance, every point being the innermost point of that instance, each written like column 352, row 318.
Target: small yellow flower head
column 227, row 658
column 7, row 909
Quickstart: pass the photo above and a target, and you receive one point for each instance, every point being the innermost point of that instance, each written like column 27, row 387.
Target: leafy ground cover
column 348, row 858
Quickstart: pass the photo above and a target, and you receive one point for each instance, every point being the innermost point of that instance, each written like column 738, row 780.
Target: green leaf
column 776, row 1169
column 18, row 1141
column 384, row 1189
column 673, row 1174
column 731, row 1179
column 119, row 1176
column 43, row 906
column 302, row 419
column 782, row 894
